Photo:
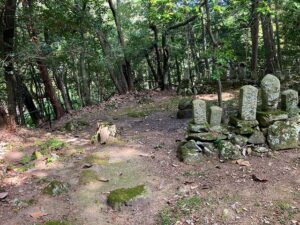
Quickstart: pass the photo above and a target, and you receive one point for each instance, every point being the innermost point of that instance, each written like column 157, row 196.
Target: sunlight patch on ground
column 226, row 96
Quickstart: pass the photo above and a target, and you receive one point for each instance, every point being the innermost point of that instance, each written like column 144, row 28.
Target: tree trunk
column 8, row 33
column 113, row 67
column 126, row 68
column 28, row 101
column 158, row 57
column 254, row 37
column 215, row 46
column 49, row 89
column 84, row 78
column 58, row 109
column 150, row 65
column 271, row 59
column 61, row 86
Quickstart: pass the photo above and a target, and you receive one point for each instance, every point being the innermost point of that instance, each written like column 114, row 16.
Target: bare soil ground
column 145, row 153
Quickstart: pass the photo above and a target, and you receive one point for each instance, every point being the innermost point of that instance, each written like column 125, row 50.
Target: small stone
column 261, row 149
column 189, row 152
column 228, row 151
column 239, row 140
column 289, row 102
column 257, row 138
column 248, row 102
column 215, row 116
column 270, row 88
column 283, row 135
column 106, row 130
column 199, row 112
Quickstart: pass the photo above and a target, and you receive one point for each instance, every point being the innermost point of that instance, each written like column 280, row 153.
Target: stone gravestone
column 248, row 102
column 289, row 101
column 199, row 112
column 270, row 87
column 215, row 116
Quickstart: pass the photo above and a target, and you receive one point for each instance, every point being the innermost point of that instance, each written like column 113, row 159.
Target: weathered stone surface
column 270, row 90
column 199, row 112
column 227, row 151
column 189, row 152
column 215, row 116
column 265, row 119
column 261, row 149
column 106, row 130
column 185, row 103
column 257, row 138
column 209, row 136
column 248, row 102
column 196, row 128
column 243, row 123
column 239, row 140
column 283, row 135
column 245, row 130
column 289, row 102
column 185, row 114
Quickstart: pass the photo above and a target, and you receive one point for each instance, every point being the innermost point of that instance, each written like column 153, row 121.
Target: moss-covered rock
column 119, row 197
column 283, row 135
column 197, row 128
column 266, row 119
column 189, row 152
column 185, row 103
column 88, row 176
column 227, row 151
column 257, row 138
column 239, row 140
column 209, row 136
column 56, row 187
column 243, row 123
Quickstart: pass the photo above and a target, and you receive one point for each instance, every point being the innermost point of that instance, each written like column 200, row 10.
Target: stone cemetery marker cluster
column 253, row 131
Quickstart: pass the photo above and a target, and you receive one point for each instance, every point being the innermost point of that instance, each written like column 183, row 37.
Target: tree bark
column 126, row 68
column 49, row 89
column 28, row 101
column 8, row 34
column 215, row 47
column 113, row 67
column 254, row 37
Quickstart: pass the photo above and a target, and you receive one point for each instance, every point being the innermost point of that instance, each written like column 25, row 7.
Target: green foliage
column 182, row 208
column 50, row 145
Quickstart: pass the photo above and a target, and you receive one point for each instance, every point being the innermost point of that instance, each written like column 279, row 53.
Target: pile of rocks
column 251, row 131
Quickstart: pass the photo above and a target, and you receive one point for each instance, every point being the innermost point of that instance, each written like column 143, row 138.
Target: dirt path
column 210, row 193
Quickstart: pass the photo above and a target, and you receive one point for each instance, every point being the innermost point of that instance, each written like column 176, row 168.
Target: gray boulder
column 283, row 135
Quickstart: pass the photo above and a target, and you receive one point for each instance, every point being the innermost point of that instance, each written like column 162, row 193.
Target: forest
column 59, row 56
column 149, row 112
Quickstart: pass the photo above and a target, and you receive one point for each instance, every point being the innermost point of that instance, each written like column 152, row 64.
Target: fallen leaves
column 38, row 214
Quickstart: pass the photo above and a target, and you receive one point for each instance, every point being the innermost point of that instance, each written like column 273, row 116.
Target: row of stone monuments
column 255, row 130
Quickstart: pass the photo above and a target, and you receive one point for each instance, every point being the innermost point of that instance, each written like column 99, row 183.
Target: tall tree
column 8, row 34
